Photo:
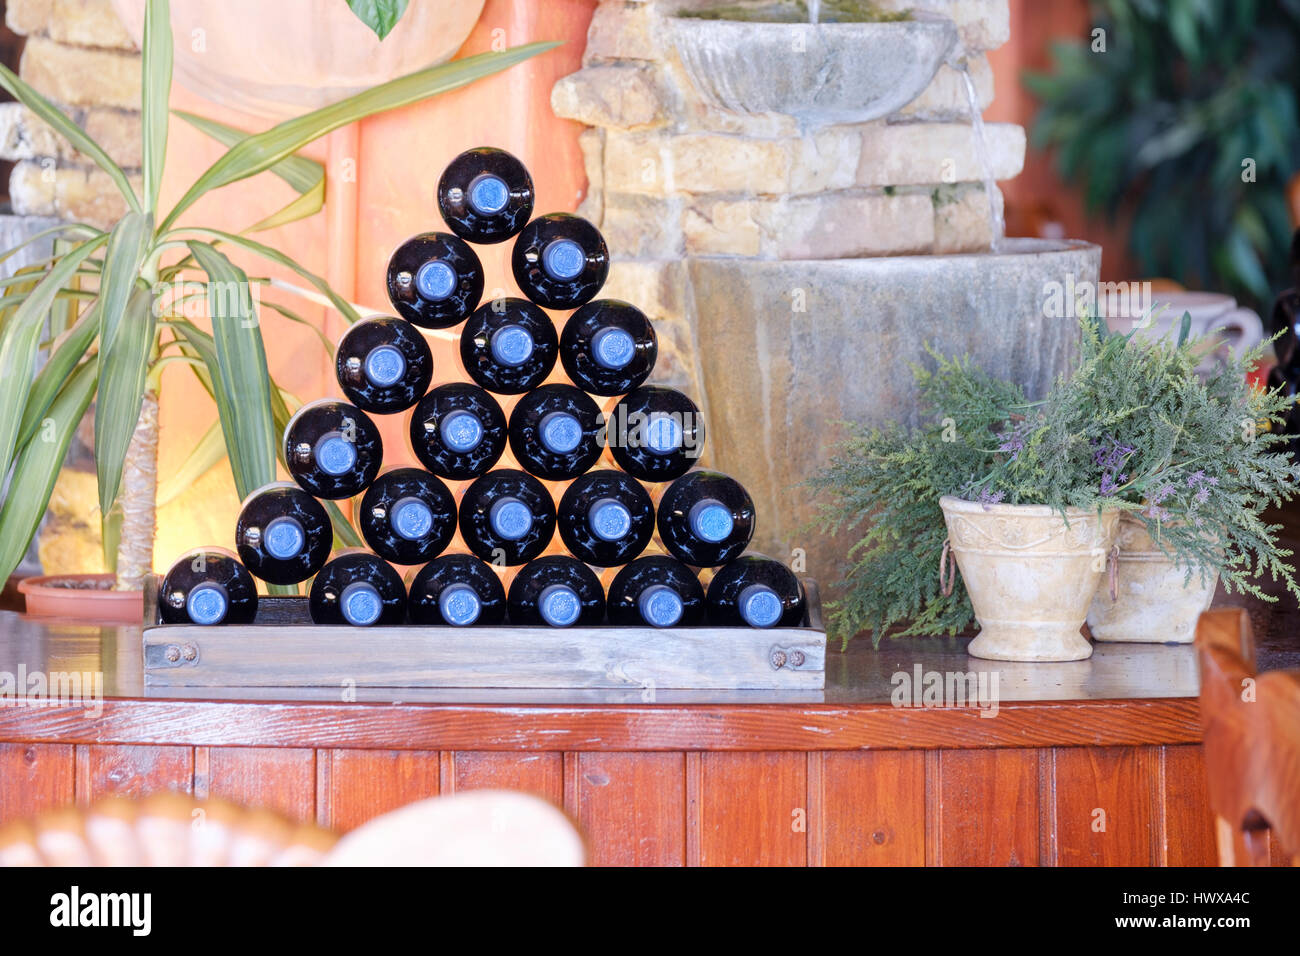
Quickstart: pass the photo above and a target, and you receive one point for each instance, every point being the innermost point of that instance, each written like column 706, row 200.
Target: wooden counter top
column 1123, row 695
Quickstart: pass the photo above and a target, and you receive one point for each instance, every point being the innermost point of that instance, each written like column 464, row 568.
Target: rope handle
column 949, row 566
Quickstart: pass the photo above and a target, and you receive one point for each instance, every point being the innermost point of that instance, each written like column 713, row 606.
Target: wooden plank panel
column 630, row 807
column 873, row 808
column 361, row 784
column 1189, row 821
column 969, row 789
column 753, row 809
column 283, row 780
column 542, row 726
column 35, row 777
column 132, row 771
column 538, row 773
column 1103, row 798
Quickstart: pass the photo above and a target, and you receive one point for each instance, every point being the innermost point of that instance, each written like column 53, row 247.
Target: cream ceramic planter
column 1030, row 576
column 1153, row 606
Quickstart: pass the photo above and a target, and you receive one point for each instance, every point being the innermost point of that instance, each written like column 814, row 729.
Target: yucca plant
column 109, row 302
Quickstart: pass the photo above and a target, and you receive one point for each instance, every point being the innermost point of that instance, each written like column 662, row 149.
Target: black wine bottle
column 332, row 449
column 485, row 195
column 207, row 586
column 556, row 590
column 357, row 588
column 560, row 261
column 458, row 431
column 456, row 589
column 435, row 280
column 407, row 516
column 507, row 517
column 755, row 591
column 705, row 518
column 283, row 534
column 608, row 347
column 656, row 433
column 606, row 518
column 384, row 365
column 508, row 346
column 656, row 590
column 556, row 432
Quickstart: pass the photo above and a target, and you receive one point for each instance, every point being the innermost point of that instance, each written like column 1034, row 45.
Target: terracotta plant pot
column 1030, row 575
column 1153, row 604
column 82, row 597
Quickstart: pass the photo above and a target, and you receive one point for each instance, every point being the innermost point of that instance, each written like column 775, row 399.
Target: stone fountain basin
column 819, row 74
column 778, row 381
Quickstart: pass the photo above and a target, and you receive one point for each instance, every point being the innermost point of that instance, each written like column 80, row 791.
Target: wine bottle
column 755, row 591
column 485, row 195
column 556, row 432
column 560, row 261
column 508, row 346
column 456, row 589
column 556, row 590
column 656, row 433
column 283, row 534
column 435, row 280
column 507, row 517
column 608, row 347
column 407, row 516
column 207, row 586
column 332, row 449
column 357, row 588
column 606, row 518
column 705, row 518
column 458, row 431
column 384, row 365
column 656, row 590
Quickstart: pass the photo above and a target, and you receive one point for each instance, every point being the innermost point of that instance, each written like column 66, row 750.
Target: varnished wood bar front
column 1092, row 762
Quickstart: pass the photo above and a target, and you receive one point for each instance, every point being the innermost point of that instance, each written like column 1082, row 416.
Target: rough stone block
column 623, row 96
column 722, row 228
column 900, row 154
column 81, row 77
column 695, row 162
column 846, row 226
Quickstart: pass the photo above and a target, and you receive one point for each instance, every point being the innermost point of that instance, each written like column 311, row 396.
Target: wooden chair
column 1251, row 726
column 479, row 828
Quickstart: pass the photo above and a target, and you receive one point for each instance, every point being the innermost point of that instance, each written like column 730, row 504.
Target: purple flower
column 1195, row 478
column 1014, row 438
column 1109, row 453
column 988, row 498
column 1108, row 485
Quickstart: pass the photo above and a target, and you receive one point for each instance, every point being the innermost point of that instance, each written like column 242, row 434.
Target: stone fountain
column 804, row 207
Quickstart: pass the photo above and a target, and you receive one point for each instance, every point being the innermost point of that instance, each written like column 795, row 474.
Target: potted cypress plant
column 1131, row 432
column 111, row 345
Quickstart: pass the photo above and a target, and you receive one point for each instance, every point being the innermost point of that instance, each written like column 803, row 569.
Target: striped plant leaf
column 38, row 467
column 208, row 452
column 240, row 378
column 64, row 358
column 155, row 93
column 263, row 150
column 19, row 342
column 305, row 175
column 123, row 367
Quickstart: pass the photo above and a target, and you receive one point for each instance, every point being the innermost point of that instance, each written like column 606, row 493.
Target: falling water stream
column 997, row 215
column 814, row 11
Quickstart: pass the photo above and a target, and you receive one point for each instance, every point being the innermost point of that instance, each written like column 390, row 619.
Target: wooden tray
column 282, row 648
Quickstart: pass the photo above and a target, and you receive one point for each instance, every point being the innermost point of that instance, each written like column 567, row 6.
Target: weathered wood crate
column 283, row 648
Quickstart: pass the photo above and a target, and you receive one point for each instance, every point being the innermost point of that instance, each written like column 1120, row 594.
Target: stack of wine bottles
column 606, row 517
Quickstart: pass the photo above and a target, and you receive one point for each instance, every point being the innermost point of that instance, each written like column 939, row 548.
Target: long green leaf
column 156, row 90
column 122, row 259
column 263, row 150
column 38, row 468
column 69, row 130
column 241, row 378
column 274, row 255
column 50, row 379
column 305, row 175
column 122, row 372
column 85, row 231
column 19, row 341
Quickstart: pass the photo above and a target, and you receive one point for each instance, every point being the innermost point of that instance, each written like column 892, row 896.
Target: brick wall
column 671, row 176
column 80, row 56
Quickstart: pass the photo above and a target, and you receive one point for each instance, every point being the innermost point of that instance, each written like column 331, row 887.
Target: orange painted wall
column 381, row 176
